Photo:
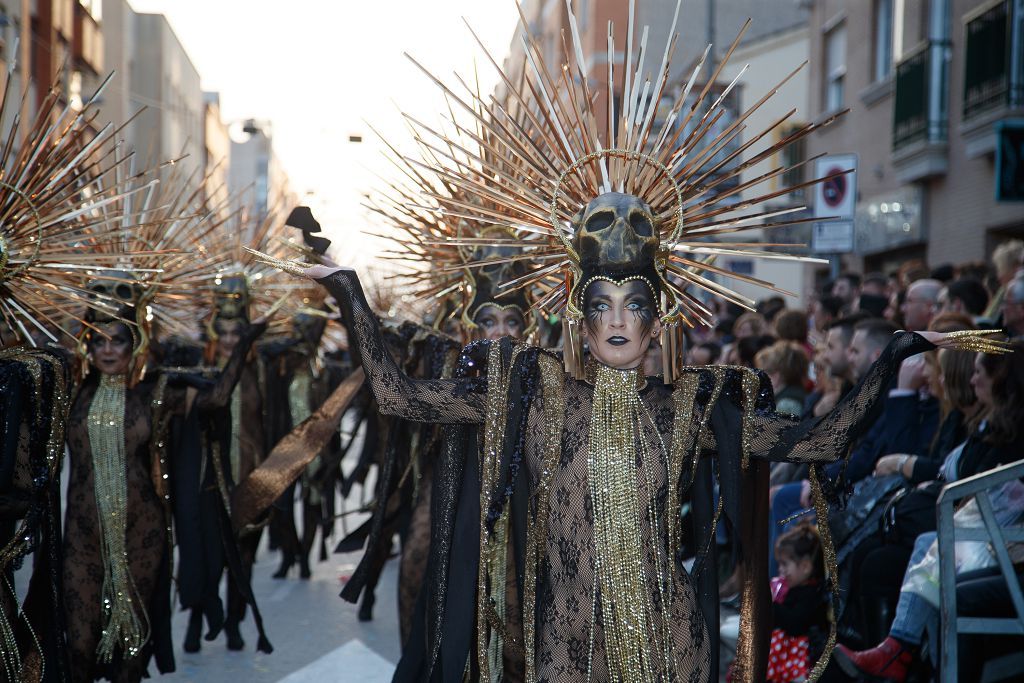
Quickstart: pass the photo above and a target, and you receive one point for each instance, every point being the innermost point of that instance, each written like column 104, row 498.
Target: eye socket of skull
column 123, row 292
column 600, row 221
column 641, row 223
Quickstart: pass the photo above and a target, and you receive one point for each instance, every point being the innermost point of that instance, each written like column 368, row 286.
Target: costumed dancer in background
column 584, row 462
column 116, row 565
column 303, row 370
column 234, row 441
column 127, row 436
column 466, row 301
column 53, row 226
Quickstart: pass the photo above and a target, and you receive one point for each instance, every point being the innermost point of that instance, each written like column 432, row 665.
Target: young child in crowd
column 800, row 605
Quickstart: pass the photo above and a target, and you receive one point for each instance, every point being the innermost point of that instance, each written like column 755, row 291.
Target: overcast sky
column 317, row 69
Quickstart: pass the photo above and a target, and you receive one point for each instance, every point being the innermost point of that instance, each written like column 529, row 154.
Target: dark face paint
column 229, row 333
column 621, row 321
column 496, row 322
column 111, row 350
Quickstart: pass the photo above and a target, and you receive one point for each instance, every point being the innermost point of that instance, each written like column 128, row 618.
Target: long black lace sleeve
column 219, row 394
column 446, row 401
column 826, row 439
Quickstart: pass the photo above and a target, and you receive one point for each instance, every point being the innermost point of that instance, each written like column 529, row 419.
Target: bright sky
column 317, row 70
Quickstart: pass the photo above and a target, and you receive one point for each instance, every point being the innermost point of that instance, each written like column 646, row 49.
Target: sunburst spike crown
column 532, row 159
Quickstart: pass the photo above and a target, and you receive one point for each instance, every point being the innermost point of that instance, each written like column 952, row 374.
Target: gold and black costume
column 539, row 497
column 126, row 508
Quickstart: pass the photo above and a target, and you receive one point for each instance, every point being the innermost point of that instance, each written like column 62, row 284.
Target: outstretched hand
column 984, row 341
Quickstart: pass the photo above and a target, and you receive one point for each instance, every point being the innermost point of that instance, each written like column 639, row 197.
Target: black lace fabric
column 570, row 639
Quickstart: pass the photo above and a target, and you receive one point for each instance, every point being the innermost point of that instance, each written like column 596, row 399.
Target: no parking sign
column 835, row 198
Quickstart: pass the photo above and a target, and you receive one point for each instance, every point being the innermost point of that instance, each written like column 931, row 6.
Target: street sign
column 832, row 237
column 1010, row 161
column 836, row 197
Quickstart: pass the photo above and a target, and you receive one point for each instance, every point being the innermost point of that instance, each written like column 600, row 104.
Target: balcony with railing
column 920, row 120
column 993, row 72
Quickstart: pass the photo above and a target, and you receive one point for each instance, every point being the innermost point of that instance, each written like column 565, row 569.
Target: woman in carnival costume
column 569, row 473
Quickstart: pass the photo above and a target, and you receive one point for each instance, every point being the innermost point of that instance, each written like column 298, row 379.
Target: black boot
column 877, row 615
column 366, row 606
column 304, row 571
column 234, row 636
column 195, row 629
column 287, row 560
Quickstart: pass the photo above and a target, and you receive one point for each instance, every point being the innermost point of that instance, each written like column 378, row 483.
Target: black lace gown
column 723, row 412
column 146, row 535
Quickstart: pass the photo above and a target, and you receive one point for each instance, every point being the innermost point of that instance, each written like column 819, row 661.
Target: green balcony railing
column 910, row 109
column 990, row 51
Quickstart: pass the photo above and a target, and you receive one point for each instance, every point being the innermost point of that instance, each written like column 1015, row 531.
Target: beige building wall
column 954, row 202
column 216, row 155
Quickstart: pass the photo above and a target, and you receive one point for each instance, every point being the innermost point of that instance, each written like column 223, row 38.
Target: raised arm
column 828, row 438
column 436, row 401
column 219, row 394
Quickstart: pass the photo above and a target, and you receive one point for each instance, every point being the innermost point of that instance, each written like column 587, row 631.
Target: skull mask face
column 113, row 287
column 231, row 297
column 615, row 233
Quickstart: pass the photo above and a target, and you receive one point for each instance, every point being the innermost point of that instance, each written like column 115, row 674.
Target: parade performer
column 234, row 441
column 58, row 218
column 465, row 300
column 577, row 489
column 128, row 422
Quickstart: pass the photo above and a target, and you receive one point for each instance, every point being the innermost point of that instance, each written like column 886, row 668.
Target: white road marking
column 353, row 661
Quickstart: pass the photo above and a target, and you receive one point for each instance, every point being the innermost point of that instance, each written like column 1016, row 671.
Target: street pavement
column 316, row 634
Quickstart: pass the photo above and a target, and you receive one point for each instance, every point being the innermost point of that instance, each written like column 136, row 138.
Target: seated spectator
column 1011, row 319
column 800, row 606
column 980, row 271
column 785, row 363
column 746, row 349
column 877, row 564
column 771, row 307
column 1006, row 260
column 921, row 304
column 873, row 305
column 911, row 271
column 705, row 353
column 876, row 284
column 749, row 325
column 893, row 311
column 965, row 296
column 847, row 288
column 998, row 382
column 944, row 273
column 824, row 311
column 834, row 384
column 791, row 325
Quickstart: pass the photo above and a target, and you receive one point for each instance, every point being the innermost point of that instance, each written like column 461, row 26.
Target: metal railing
column 998, row 537
column 992, row 59
column 910, row 108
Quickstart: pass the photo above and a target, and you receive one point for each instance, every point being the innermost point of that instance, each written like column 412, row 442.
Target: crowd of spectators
column 946, row 416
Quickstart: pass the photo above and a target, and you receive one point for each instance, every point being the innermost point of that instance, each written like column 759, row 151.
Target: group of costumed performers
column 559, row 479
column 106, row 278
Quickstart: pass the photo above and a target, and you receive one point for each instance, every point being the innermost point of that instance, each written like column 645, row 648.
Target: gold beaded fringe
column 637, row 643
column 127, row 624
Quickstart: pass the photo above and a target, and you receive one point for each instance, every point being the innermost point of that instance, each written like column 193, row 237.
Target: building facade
column 155, row 82
column 929, row 85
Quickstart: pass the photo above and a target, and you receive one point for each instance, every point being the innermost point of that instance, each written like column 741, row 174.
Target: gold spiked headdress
column 458, row 265
column 60, row 218
column 634, row 192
